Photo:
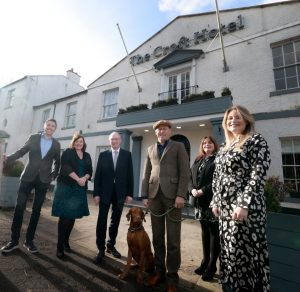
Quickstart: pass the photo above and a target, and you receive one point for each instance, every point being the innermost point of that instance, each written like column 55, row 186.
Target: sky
column 49, row 37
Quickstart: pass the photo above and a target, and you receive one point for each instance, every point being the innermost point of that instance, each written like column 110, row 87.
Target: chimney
column 73, row 76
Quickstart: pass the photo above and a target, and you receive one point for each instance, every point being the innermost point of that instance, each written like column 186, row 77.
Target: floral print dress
column 238, row 181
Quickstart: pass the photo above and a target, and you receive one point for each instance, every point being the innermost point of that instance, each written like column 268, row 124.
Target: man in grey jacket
column 42, row 167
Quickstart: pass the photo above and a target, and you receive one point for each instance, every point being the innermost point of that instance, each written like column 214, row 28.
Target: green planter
column 283, row 233
column 9, row 191
column 10, row 183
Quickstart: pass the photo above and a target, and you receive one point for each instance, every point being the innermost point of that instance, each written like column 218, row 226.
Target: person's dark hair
column 77, row 136
column 201, row 152
column 51, row 120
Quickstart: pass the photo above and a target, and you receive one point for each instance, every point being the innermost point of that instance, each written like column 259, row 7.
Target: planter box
column 196, row 108
column 283, row 231
column 9, row 191
column 162, row 103
column 190, row 99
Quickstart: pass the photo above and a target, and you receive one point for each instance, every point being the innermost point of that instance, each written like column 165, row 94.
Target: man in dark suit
column 42, row 167
column 165, row 185
column 112, row 186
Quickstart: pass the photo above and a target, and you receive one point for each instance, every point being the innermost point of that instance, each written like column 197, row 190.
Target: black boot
column 60, row 254
column 201, row 269
column 209, row 274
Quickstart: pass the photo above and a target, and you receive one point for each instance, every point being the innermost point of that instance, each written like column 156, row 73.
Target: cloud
column 197, row 6
column 193, row 6
column 272, row 1
column 183, row 6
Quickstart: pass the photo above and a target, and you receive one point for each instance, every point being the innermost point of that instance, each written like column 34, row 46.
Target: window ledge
column 284, row 91
column 70, row 127
column 106, row 119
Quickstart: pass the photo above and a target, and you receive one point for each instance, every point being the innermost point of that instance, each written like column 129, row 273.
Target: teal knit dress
column 70, row 201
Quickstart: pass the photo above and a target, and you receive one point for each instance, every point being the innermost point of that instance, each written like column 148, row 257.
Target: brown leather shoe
column 172, row 287
column 156, row 279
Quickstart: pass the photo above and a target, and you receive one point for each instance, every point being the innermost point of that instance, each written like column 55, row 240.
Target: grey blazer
column 170, row 172
column 47, row 168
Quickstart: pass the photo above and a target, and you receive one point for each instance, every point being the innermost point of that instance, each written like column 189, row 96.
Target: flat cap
column 162, row 123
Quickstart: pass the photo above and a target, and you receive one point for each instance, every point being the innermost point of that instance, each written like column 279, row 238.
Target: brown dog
column 139, row 246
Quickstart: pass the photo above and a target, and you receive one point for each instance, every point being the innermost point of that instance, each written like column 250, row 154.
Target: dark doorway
column 185, row 141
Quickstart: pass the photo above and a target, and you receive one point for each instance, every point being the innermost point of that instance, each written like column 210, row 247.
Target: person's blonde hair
column 249, row 120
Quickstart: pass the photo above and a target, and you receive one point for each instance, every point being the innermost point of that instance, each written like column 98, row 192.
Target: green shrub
column 193, row 97
column 210, row 94
column 226, row 91
column 13, row 168
column 275, row 192
column 134, row 108
column 121, row 111
column 164, row 102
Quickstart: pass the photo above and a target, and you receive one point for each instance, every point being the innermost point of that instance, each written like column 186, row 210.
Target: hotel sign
column 185, row 42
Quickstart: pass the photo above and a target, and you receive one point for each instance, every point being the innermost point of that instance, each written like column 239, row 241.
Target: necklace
column 235, row 141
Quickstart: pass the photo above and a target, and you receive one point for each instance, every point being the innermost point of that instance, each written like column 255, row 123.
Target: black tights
column 210, row 243
column 65, row 227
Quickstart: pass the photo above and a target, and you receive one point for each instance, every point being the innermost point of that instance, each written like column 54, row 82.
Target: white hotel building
column 262, row 49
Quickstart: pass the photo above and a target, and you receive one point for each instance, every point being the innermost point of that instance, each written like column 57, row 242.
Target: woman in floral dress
column 239, row 202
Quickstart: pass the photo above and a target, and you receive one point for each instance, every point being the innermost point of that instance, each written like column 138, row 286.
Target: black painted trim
column 277, row 115
column 66, row 128
column 284, row 91
column 178, row 111
column 177, row 57
column 106, row 120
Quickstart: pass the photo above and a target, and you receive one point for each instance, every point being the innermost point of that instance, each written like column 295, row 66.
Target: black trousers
column 40, row 190
column 210, row 243
column 101, row 228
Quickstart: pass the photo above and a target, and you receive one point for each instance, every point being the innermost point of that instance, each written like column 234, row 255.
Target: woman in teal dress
column 70, row 195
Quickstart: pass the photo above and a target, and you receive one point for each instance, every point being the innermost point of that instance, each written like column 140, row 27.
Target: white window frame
column 4, row 123
column 179, row 84
column 45, row 117
column 10, row 98
column 110, row 103
column 286, row 65
column 291, row 146
column 176, row 76
column 100, row 149
column 70, row 115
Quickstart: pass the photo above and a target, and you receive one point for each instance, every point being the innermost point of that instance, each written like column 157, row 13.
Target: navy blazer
column 107, row 179
column 47, row 167
column 70, row 163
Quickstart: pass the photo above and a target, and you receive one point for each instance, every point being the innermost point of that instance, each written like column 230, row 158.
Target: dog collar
column 133, row 229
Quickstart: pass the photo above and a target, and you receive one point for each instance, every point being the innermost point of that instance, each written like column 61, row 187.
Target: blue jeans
column 40, row 190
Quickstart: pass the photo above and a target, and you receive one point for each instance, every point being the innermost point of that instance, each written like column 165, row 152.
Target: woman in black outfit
column 70, row 200
column 200, row 188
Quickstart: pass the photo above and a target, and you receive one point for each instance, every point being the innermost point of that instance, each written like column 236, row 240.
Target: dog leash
column 167, row 213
